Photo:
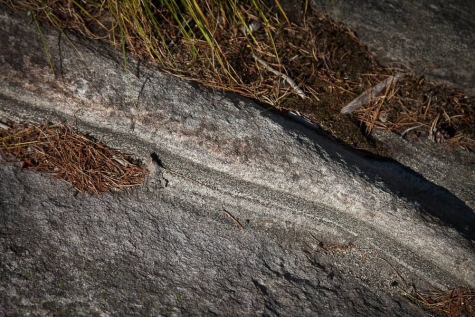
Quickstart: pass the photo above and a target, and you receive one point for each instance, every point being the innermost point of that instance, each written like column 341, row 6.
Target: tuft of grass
column 45, row 46
column 188, row 38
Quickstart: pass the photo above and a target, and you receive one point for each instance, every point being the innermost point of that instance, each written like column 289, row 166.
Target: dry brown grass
column 195, row 40
column 86, row 164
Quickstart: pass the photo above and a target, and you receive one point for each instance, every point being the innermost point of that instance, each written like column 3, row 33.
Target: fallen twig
column 4, row 126
column 371, row 93
column 410, row 129
column 289, row 80
column 234, row 219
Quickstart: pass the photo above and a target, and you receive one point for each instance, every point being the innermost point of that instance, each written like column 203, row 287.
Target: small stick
column 4, row 126
column 234, row 219
column 284, row 76
column 427, row 108
column 433, row 127
column 371, row 93
column 410, row 129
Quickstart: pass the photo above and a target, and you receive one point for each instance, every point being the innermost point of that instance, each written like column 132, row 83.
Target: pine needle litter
column 86, row 164
column 456, row 302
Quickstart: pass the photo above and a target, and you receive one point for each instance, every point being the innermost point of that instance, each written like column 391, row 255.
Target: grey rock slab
column 432, row 37
column 172, row 246
column 157, row 252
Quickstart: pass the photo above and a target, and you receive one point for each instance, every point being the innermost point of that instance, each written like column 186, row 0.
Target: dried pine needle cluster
column 86, row 164
column 456, row 302
column 430, row 110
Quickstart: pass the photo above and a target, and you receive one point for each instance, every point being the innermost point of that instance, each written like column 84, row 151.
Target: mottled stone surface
column 168, row 247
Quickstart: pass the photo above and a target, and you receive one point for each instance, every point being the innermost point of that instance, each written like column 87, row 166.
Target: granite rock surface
column 326, row 230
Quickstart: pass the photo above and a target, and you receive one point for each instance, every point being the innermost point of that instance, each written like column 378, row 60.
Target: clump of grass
column 194, row 39
column 86, row 164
